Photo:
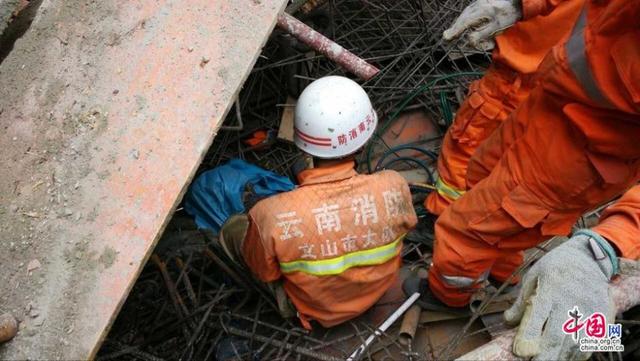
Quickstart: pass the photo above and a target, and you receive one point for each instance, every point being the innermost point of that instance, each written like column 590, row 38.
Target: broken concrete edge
column 8, row 9
column 625, row 292
column 180, row 196
column 15, row 19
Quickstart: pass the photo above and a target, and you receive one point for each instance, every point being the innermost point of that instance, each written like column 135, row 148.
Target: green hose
column 445, row 106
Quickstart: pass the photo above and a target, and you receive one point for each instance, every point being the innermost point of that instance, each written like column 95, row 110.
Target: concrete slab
column 106, row 110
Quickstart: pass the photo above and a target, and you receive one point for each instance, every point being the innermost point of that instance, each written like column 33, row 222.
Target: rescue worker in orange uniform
column 503, row 87
column 335, row 241
column 551, row 132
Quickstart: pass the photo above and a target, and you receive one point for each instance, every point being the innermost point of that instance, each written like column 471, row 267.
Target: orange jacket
column 523, row 46
column 591, row 86
column 621, row 222
column 336, row 240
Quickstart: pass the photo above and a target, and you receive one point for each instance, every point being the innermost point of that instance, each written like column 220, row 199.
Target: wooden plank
column 285, row 131
column 107, row 109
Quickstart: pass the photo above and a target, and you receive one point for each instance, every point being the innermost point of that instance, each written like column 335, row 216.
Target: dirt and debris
column 8, row 327
column 33, row 265
column 38, row 192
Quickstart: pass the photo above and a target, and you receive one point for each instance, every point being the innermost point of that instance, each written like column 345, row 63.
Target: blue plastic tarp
column 217, row 194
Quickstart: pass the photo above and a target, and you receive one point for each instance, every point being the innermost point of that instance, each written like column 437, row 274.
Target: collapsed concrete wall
column 106, row 110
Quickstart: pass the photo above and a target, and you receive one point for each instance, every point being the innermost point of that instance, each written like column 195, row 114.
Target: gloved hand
column 577, row 273
column 484, row 18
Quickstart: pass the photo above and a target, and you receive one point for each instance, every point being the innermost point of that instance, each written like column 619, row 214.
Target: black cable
column 428, row 153
column 412, row 160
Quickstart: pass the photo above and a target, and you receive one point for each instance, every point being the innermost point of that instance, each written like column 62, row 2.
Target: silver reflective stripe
column 457, row 281
column 462, row 282
column 577, row 58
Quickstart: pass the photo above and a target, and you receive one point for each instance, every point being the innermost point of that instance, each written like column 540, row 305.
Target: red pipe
column 324, row 45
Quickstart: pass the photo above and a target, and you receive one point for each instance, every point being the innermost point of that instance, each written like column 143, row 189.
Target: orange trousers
column 490, row 101
column 531, row 175
column 527, row 185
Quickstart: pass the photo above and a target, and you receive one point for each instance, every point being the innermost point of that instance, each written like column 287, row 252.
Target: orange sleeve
column 620, row 224
column 532, row 8
column 259, row 255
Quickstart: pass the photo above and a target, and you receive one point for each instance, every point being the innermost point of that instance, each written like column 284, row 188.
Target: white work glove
column 484, row 18
column 577, row 273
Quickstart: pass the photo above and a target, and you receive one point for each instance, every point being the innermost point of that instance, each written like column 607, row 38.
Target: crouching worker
column 334, row 242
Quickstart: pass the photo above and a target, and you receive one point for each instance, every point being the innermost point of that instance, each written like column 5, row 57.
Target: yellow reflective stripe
column 337, row 265
column 448, row 191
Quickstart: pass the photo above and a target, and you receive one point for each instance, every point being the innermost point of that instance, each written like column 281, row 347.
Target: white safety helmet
column 334, row 118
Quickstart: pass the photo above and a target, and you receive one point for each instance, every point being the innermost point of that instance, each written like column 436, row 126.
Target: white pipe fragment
column 385, row 325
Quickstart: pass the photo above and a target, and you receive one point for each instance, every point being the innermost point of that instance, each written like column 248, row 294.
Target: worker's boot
column 424, row 232
column 285, row 307
column 428, row 301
